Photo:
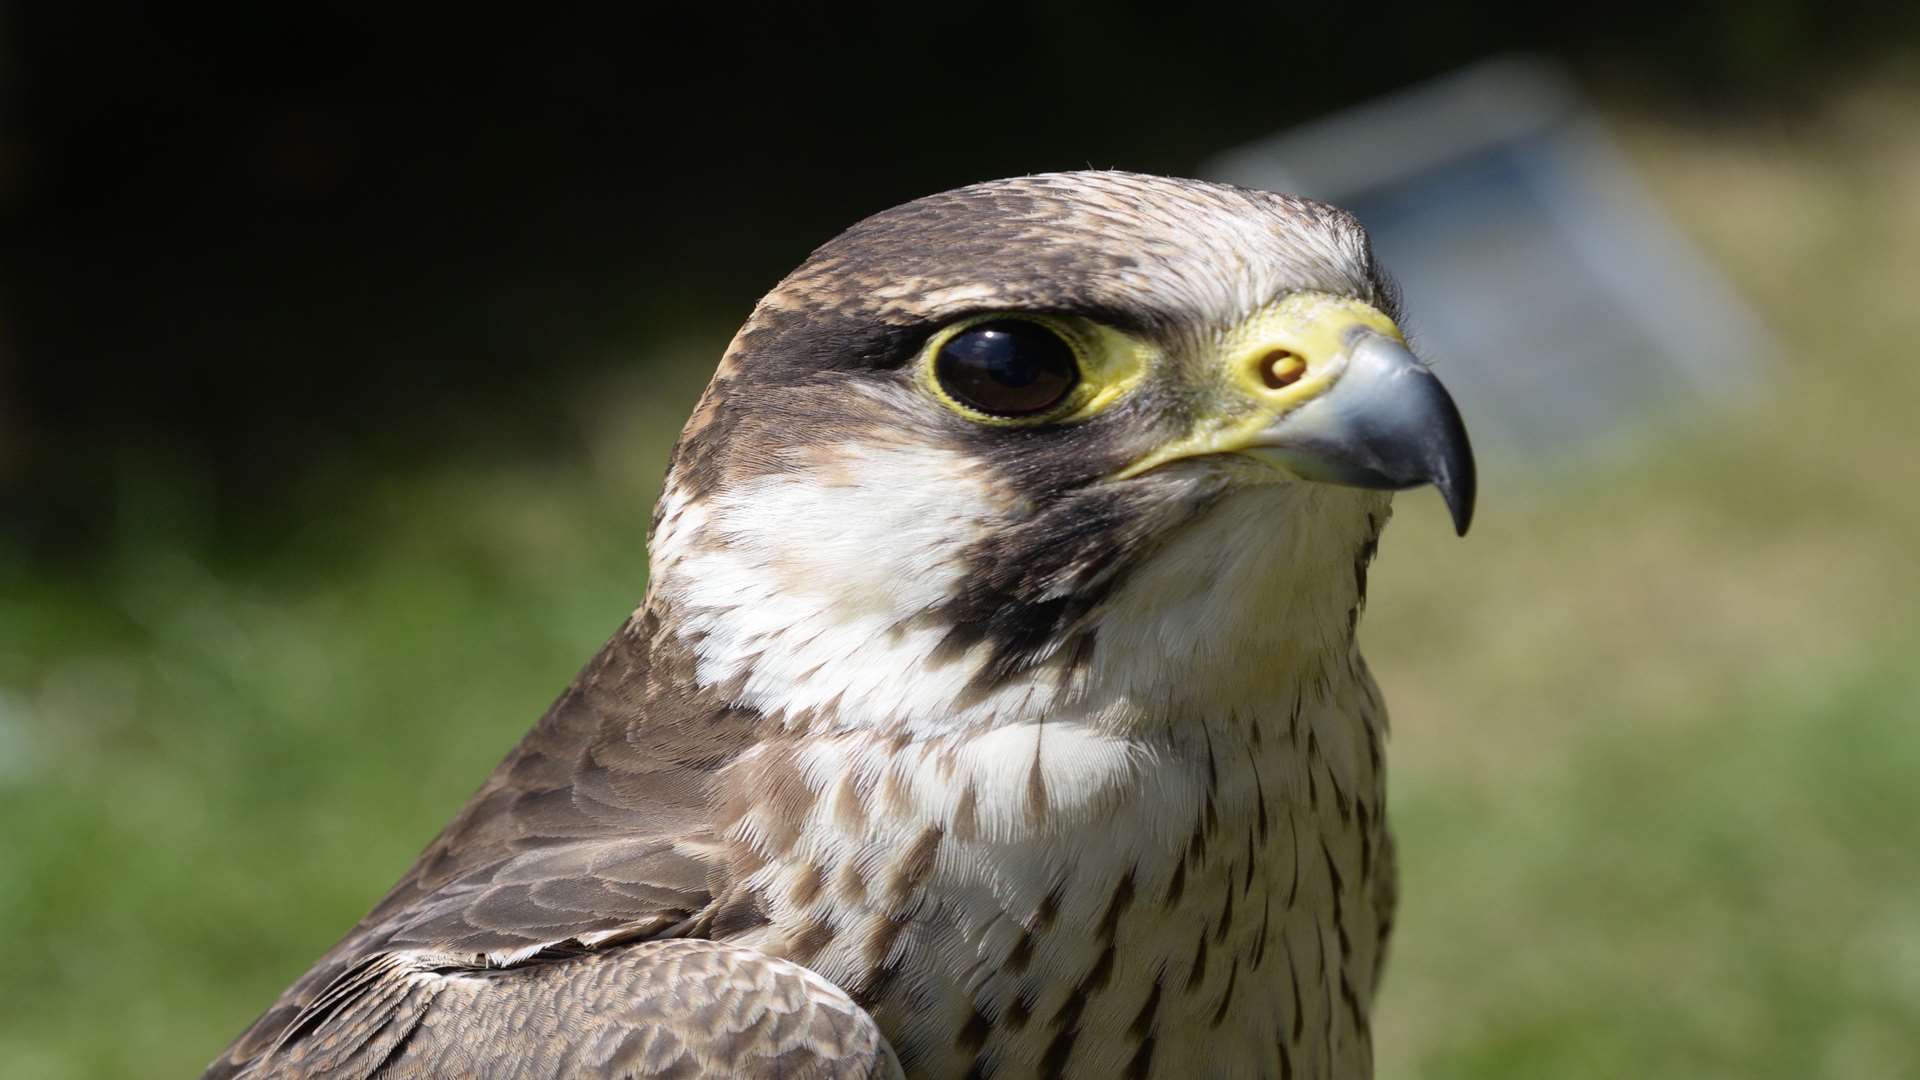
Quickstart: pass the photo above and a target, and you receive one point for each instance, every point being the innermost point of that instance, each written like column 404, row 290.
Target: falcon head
column 1091, row 443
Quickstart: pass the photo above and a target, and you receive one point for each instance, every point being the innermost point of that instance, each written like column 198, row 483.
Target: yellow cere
column 1111, row 364
column 1279, row 358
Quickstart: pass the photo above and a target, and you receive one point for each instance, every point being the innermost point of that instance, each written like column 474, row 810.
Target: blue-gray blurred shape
column 1558, row 303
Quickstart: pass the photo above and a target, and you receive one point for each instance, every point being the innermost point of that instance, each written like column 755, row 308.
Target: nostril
column 1280, row 369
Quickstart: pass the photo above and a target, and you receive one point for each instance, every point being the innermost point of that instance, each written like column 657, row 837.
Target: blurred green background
column 339, row 362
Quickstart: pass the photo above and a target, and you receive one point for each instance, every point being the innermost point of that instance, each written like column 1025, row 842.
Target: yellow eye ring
column 1020, row 369
column 1004, row 368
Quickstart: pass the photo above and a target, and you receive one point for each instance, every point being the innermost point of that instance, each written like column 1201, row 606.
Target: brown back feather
column 596, row 828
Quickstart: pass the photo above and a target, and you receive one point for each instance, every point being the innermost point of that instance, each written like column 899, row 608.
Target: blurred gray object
column 1564, row 310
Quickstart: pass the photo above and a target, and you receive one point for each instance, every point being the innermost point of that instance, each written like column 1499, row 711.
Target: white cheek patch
column 812, row 584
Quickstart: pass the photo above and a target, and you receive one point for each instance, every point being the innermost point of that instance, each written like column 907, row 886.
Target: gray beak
column 1387, row 423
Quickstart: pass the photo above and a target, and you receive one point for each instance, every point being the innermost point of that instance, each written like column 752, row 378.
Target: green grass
column 1655, row 747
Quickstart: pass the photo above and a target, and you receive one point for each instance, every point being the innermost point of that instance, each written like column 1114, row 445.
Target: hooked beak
column 1386, row 423
column 1325, row 389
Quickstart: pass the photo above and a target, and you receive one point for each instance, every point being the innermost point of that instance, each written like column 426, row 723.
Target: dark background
column 240, row 236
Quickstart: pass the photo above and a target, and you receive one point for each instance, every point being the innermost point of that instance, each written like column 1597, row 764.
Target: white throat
column 812, row 595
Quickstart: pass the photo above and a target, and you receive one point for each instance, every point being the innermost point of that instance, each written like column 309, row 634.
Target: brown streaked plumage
column 938, row 744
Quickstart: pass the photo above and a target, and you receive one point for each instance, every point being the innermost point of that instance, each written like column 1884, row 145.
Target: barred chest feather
column 1209, row 901
column 1168, row 857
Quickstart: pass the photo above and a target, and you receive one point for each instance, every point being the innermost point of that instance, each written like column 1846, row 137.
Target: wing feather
column 675, row 1008
column 595, row 832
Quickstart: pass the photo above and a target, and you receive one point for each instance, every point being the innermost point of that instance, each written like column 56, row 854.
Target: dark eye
column 1007, row 367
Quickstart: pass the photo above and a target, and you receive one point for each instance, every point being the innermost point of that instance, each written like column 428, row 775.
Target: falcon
column 993, row 708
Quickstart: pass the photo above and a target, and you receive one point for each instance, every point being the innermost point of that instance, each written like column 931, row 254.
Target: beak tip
column 1453, row 468
column 1459, row 492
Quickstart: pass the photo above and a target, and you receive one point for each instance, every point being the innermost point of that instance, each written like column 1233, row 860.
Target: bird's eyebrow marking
column 1138, row 321
column 1134, row 319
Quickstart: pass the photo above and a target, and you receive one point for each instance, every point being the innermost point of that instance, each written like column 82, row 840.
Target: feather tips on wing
column 675, row 1008
column 589, row 834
